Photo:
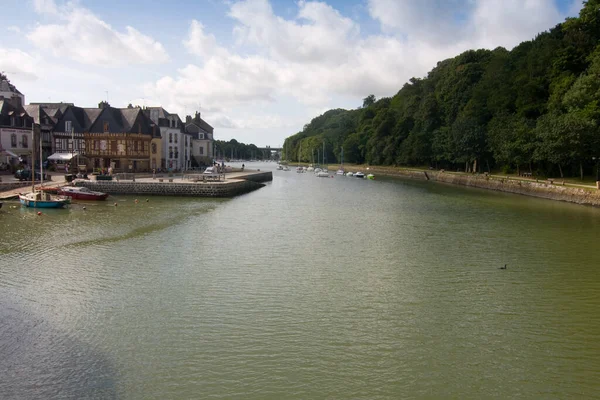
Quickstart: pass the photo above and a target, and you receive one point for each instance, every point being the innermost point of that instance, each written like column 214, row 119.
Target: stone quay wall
column 542, row 189
column 259, row 176
column 6, row 186
column 226, row 189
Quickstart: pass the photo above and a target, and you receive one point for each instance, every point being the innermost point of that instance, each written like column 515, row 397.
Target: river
column 308, row 288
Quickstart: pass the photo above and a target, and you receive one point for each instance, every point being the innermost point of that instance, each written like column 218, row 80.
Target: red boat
column 81, row 193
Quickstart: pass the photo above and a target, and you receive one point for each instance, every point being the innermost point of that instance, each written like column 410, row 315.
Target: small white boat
column 317, row 170
column 322, row 174
column 286, row 168
column 300, row 170
column 310, row 168
column 340, row 172
column 359, row 175
column 279, row 167
column 349, row 173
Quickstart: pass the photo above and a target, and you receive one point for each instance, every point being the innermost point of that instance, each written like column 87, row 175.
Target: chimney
column 188, row 119
column 103, row 104
column 15, row 101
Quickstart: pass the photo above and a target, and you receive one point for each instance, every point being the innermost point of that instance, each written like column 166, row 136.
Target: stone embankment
column 543, row 189
column 236, row 184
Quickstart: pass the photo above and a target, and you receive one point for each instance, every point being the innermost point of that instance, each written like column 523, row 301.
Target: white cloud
column 18, row 65
column 201, row 44
column 14, row 29
column 82, row 36
column 318, row 54
column 45, row 7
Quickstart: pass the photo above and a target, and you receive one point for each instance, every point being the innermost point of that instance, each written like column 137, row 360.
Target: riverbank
column 552, row 189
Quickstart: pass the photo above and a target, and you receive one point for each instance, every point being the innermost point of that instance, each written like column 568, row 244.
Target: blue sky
column 258, row 70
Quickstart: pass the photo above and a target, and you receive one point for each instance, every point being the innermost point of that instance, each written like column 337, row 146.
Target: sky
column 256, row 70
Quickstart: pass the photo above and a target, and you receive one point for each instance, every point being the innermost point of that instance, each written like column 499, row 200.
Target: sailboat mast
column 32, row 158
column 41, row 163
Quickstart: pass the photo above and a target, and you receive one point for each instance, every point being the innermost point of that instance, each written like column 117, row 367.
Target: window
column 13, row 140
column 201, row 136
column 170, row 151
column 24, row 122
column 68, row 126
column 153, row 148
column 175, row 138
column 12, row 121
column 201, row 150
column 24, row 141
column 106, row 127
column 170, row 138
column 113, row 146
column 176, row 152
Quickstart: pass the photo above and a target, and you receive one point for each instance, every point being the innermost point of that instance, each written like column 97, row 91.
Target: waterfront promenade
column 183, row 184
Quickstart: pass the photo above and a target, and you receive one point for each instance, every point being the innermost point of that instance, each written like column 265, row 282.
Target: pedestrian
column 243, row 167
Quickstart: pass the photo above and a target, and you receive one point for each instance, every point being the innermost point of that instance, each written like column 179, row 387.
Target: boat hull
column 43, row 203
column 84, row 196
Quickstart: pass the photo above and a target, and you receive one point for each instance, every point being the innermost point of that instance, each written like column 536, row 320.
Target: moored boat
column 43, row 200
column 359, row 175
column 81, row 193
column 322, row 174
column 371, row 176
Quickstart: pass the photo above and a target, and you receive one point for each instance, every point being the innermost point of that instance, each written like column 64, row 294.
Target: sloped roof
column 6, row 86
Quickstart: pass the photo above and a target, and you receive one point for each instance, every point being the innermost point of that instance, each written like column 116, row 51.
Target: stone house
column 202, row 141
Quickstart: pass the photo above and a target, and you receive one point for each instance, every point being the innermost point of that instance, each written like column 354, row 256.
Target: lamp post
column 597, row 159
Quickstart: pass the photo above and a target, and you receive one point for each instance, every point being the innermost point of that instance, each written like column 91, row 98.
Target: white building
column 16, row 140
column 176, row 144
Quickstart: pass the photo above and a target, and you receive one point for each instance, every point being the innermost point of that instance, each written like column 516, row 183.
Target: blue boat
column 43, row 200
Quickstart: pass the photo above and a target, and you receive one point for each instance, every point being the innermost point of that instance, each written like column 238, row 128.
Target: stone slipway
column 235, row 184
column 540, row 189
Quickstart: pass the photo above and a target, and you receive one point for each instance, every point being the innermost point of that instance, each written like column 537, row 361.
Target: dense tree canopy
column 536, row 107
column 239, row 151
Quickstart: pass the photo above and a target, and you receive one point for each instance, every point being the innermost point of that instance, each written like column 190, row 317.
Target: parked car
column 25, row 174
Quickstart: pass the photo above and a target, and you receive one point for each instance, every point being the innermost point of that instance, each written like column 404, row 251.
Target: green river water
column 308, row 288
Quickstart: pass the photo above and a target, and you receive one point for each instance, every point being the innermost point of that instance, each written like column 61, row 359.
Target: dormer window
column 68, row 126
column 106, row 127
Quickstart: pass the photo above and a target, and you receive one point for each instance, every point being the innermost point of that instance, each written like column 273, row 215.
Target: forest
column 534, row 108
column 238, row 151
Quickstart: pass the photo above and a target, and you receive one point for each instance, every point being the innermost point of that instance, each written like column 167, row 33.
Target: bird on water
column 503, row 267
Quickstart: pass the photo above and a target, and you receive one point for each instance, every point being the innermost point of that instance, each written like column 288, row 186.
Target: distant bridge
column 267, row 148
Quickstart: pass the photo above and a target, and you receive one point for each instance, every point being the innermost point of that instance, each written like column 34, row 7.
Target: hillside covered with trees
column 534, row 108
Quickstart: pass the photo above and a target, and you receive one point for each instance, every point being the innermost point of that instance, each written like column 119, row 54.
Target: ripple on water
column 306, row 288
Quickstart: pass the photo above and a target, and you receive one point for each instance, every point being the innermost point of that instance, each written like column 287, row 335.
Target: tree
column 369, row 100
column 3, row 76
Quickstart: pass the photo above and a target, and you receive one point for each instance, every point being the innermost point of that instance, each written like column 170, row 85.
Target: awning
column 10, row 153
column 62, row 156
